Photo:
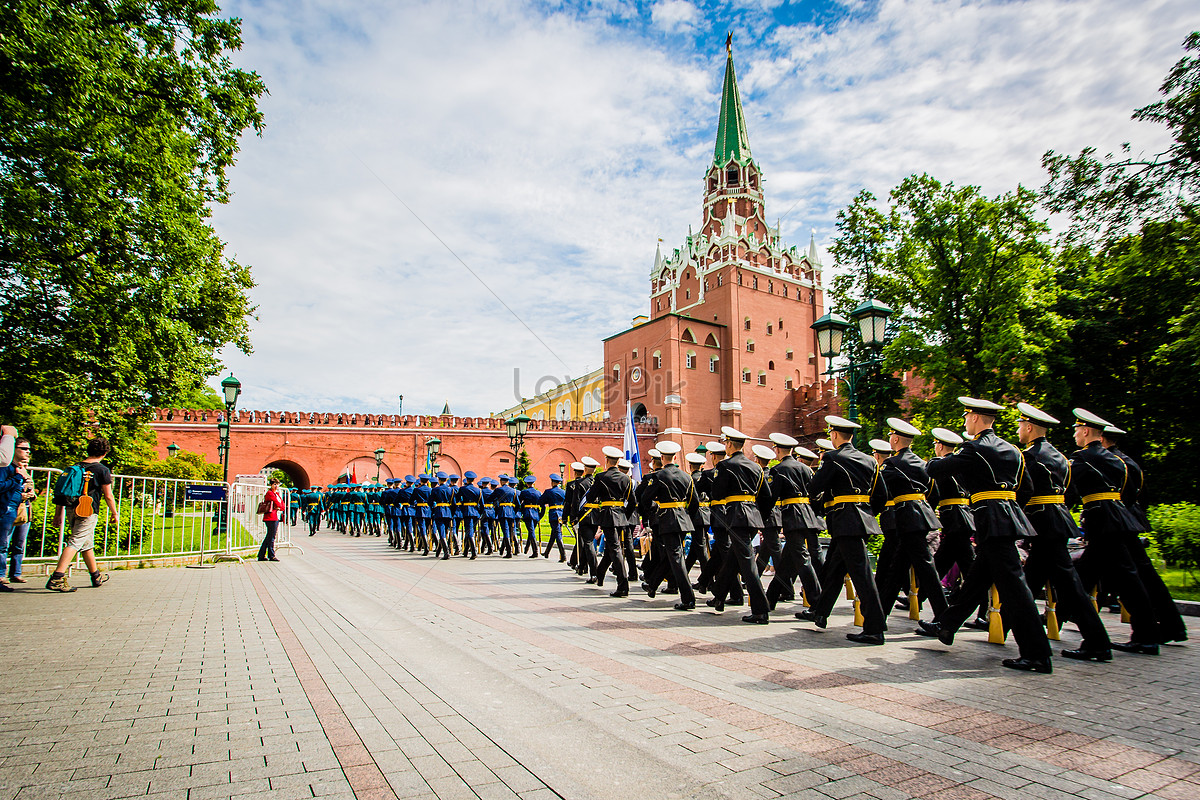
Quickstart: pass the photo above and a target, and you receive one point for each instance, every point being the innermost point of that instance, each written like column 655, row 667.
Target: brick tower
column 727, row 340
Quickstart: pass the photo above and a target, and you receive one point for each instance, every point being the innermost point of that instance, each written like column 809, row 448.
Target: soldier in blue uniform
column 423, row 519
column 358, row 510
column 504, row 500
column 531, row 514
column 441, row 500
column 468, row 504
column 294, row 505
column 455, row 517
column 403, row 511
column 310, row 503
column 487, row 525
column 553, row 501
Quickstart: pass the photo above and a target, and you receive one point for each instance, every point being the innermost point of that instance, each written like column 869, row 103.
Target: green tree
column 971, row 280
column 523, row 467
column 118, row 122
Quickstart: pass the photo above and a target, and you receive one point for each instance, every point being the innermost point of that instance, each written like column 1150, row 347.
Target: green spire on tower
column 732, row 141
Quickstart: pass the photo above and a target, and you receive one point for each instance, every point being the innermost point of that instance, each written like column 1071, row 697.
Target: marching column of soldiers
column 753, row 524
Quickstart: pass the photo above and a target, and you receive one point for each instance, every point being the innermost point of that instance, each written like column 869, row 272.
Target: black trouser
column 740, row 561
column 668, row 564
column 585, row 537
column 794, row 563
column 769, row 550
column 887, row 554
column 630, row 555
column 614, row 556
column 697, row 551
column 998, row 562
column 1170, row 621
column 1049, row 561
column 266, row 550
column 848, row 556
column 716, row 560
column 812, row 542
column 912, row 549
column 1108, row 556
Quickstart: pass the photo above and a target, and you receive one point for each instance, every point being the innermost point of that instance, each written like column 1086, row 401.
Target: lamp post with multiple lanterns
column 871, row 318
column 379, row 453
column 231, row 388
column 433, row 446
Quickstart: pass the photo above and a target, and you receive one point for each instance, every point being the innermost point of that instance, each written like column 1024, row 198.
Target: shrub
column 1176, row 529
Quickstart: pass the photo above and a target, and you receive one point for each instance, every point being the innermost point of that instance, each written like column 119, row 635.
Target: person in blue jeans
column 15, row 490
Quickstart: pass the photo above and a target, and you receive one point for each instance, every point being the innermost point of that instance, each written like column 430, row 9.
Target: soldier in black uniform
column 643, row 499
column 571, row 507
column 1170, row 621
column 812, row 539
column 881, row 450
column 848, row 484
column 1046, row 507
column 698, row 550
column 672, row 504
column 770, row 549
column 720, row 532
column 789, row 480
column 741, row 487
column 953, row 506
column 992, row 470
column 611, row 493
column 1097, row 477
column 908, row 484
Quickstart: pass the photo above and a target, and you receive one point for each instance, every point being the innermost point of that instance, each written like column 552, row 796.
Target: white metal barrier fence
column 157, row 518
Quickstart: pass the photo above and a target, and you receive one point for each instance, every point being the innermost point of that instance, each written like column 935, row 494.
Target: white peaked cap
column 762, row 451
column 613, row 452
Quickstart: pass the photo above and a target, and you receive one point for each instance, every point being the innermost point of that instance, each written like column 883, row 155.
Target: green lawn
column 1182, row 585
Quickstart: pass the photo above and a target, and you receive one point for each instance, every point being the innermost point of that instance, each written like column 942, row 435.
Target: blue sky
column 458, row 200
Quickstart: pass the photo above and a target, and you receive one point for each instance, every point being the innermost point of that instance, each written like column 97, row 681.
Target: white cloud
column 675, row 15
column 551, row 150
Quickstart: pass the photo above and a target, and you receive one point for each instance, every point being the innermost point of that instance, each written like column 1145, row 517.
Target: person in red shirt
column 274, row 513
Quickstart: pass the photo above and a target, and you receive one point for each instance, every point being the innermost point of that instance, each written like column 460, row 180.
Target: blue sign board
column 211, row 493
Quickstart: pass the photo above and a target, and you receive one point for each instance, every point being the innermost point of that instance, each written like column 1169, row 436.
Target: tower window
column 720, row 280
column 788, row 384
column 616, row 373
column 687, row 294
column 770, row 365
column 762, row 378
column 745, row 376
column 712, row 363
column 635, row 353
column 788, row 355
column 781, row 320
column 747, row 323
column 771, row 287
column 749, row 345
column 770, row 329
column 755, row 282
column 731, row 175
column 656, row 359
column 691, row 359
column 739, row 279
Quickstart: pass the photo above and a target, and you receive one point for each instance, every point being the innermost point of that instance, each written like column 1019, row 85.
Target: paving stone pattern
column 356, row 671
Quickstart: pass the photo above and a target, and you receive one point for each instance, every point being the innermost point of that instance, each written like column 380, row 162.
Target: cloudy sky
column 456, row 201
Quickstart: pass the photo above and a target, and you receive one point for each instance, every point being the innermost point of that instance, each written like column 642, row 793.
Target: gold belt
column 1047, row 500
column 1092, row 498
column 672, row 505
column 611, row 503
column 423, row 505
column 705, row 503
column 994, row 495
column 905, row 498
column 510, row 505
column 591, row 505
column 443, row 505
column 553, row 507
column 955, row 501
column 740, row 498
column 850, row 498
column 791, row 501
column 890, row 504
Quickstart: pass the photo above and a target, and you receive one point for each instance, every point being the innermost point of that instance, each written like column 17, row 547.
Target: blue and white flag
column 631, row 445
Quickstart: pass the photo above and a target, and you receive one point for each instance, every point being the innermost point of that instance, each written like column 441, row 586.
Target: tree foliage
column 970, row 280
column 118, row 122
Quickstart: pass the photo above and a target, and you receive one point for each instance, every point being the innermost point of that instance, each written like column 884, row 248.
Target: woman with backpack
column 272, row 509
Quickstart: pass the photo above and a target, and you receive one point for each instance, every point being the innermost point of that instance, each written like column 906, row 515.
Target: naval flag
column 631, row 445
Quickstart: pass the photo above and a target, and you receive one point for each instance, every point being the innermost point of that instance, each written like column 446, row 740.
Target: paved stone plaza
column 356, row 671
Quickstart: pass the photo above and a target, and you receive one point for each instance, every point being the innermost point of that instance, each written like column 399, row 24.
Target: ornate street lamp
column 517, row 427
column 172, row 450
column 231, row 388
column 379, row 453
column 433, row 446
column 871, row 316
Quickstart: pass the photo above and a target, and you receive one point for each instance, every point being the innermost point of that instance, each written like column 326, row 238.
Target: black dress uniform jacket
column 672, row 500
column 1095, row 471
column 702, row 516
column 1050, row 474
column 789, row 485
column 845, row 472
column 984, row 465
column 613, row 490
column 904, row 474
column 738, row 476
column 1131, row 495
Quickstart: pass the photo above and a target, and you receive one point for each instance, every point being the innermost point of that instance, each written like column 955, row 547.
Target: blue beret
column 409, row 478
column 555, row 478
column 469, row 475
column 502, row 476
column 441, row 476
column 530, row 480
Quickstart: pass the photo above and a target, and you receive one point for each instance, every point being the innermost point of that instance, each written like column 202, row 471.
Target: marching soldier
column 1170, row 621
column 1045, row 505
column 611, row 493
column 789, row 481
column 407, row 512
column 504, row 500
column 741, row 488
column 993, row 471
column 441, row 500
column 953, row 507
column 571, row 504
column 907, row 483
column 698, row 549
column 848, row 484
column 587, row 522
column 672, row 499
column 422, row 497
column 720, row 530
column 769, row 550
column 468, row 501
column 531, row 513
column 1097, row 477
column 553, row 502
column 487, row 528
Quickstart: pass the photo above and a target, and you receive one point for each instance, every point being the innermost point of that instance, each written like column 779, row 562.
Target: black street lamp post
column 871, row 317
column 517, row 427
column 433, row 446
column 379, row 453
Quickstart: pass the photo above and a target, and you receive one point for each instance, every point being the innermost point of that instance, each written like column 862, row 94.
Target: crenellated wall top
column 343, row 421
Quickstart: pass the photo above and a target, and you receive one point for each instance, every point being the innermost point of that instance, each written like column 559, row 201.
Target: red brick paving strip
column 880, row 769
column 1167, row 777
column 365, row 777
